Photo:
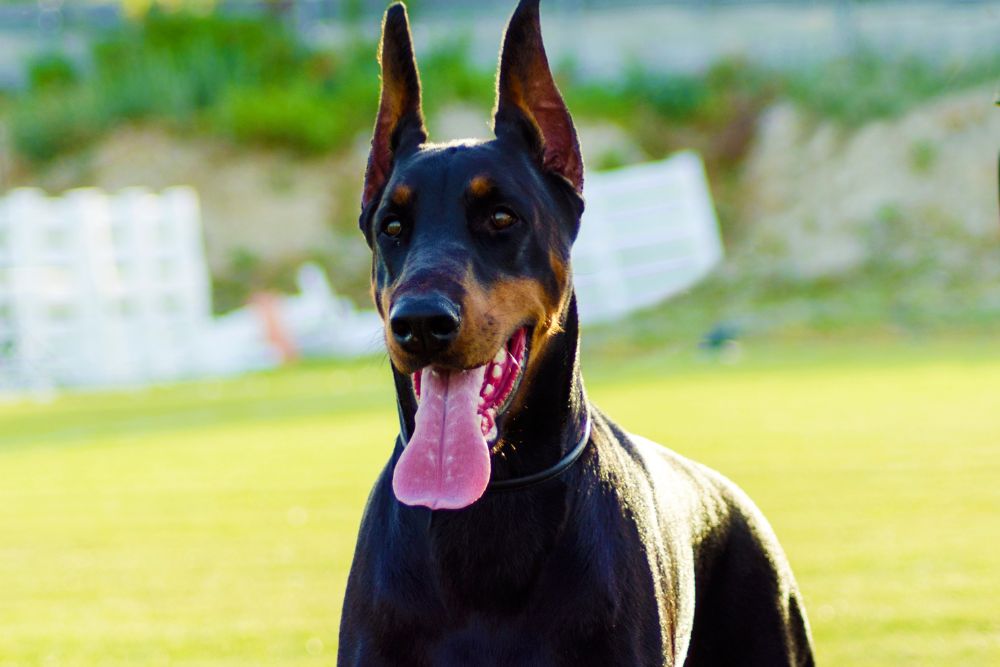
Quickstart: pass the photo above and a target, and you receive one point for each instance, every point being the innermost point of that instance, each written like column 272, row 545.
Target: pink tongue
column 446, row 464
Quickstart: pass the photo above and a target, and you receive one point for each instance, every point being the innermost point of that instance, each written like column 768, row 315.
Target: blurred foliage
column 246, row 78
column 923, row 156
column 676, row 97
column 252, row 80
column 868, row 85
column 50, row 122
column 447, row 74
column 293, row 116
column 51, row 70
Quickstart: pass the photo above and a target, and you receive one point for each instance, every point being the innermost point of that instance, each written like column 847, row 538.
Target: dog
column 515, row 523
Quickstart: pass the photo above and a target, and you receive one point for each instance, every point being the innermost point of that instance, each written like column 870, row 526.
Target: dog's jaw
column 501, row 380
column 543, row 416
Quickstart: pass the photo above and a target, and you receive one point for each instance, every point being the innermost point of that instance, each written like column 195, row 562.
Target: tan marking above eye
column 402, row 195
column 480, row 186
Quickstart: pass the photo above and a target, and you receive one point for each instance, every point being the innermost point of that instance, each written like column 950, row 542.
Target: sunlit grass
column 213, row 524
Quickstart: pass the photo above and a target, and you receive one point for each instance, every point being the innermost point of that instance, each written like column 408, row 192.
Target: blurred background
column 789, row 270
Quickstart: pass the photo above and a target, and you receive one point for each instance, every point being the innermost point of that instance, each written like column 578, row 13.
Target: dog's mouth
column 501, row 379
column 446, row 463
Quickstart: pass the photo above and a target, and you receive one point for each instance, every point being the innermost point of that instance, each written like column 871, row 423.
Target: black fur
column 632, row 556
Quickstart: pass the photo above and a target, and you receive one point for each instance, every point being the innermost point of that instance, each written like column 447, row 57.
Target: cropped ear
column 528, row 101
column 399, row 126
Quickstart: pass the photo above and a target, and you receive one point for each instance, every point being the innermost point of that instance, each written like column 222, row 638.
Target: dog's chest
column 482, row 642
column 597, row 588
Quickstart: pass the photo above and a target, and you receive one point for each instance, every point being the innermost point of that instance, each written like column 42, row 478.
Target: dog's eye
column 502, row 218
column 392, row 227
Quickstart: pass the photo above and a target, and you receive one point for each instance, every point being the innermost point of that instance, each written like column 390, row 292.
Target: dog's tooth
column 501, row 356
column 497, row 372
column 492, row 435
column 487, row 390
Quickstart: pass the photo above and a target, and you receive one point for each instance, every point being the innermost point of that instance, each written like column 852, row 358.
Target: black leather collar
column 555, row 470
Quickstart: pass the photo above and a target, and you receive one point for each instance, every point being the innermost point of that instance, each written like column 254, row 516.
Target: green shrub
column 675, row 98
column 672, row 96
column 148, row 87
column 211, row 50
column 248, row 78
column 923, row 156
column 448, row 74
column 176, row 64
column 48, row 123
column 868, row 86
column 297, row 117
column 51, row 70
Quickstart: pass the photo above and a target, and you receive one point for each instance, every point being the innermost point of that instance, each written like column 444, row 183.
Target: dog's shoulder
column 678, row 485
column 711, row 505
column 723, row 518
column 677, row 475
column 737, row 560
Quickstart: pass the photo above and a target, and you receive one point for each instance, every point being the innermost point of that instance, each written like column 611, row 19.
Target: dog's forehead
column 457, row 165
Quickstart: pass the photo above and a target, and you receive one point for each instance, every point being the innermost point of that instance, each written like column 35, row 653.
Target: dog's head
column 470, row 254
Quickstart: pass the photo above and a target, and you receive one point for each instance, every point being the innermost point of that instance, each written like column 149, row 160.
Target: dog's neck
column 516, row 526
column 553, row 412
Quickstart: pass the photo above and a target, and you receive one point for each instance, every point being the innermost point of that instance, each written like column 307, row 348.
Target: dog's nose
column 424, row 324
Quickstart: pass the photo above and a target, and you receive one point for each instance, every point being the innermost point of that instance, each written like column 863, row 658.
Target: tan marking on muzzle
column 492, row 313
column 561, row 273
column 490, row 316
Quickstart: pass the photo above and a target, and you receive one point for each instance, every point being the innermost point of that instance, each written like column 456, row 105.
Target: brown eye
column 502, row 218
column 392, row 228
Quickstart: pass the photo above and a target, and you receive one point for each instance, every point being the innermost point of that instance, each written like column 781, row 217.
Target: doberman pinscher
column 514, row 523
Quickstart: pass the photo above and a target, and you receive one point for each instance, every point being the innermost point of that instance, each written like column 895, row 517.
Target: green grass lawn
column 213, row 523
